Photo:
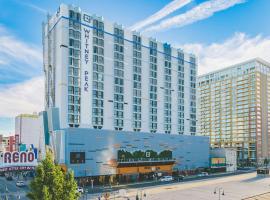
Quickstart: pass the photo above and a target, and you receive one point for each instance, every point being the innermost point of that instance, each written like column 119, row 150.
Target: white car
column 202, row 174
column 20, row 183
column 80, row 189
column 166, row 178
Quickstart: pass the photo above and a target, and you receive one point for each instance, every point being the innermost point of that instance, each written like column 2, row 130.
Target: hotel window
column 167, row 88
column 118, row 104
column 77, row 157
column 181, row 95
column 98, row 74
column 73, row 69
column 137, row 83
column 153, row 87
column 192, row 61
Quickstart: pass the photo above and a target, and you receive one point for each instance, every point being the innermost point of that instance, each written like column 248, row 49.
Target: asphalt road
column 9, row 189
column 236, row 187
column 97, row 191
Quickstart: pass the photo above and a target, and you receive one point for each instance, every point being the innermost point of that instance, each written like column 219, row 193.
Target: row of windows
column 98, row 74
column 118, row 79
column 167, row 88
column 74, row 69
column 137, row 82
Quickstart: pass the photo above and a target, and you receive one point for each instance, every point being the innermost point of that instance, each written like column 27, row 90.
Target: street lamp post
column 142, row 194
column 220, row 192
column 6, row 198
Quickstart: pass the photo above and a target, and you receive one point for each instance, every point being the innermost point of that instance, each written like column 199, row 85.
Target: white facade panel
column 28, row 129
column 86, row 76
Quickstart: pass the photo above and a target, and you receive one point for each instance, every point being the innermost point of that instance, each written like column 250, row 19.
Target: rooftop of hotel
column 95, row 16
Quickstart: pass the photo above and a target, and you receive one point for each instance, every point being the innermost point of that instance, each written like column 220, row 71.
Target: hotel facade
column 103, row 76
column 234, row 109
column 118, row 105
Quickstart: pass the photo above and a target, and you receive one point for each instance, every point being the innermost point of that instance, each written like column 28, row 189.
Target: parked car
column 179, row 177
column 166, row 178
column 80, row 189
column 9, row 178
column 20, row 183
column 202, row 174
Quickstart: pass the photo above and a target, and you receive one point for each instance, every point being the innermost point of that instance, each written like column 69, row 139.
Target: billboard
column 218, row 162
column 144, row 155
column 18, row 160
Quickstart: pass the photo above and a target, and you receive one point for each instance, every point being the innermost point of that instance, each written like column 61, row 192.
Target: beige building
column 234, row 109
column 27, row 127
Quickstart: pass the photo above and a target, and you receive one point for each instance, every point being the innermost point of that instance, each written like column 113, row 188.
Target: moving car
column 20, row 183
column 80, row 189
column 202, row 174
column 166, row 178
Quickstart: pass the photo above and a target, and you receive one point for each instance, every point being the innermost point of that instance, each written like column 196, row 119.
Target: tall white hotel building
column 103, row 76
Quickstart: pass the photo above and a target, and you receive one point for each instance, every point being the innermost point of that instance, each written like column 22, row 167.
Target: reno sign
column 18, row 159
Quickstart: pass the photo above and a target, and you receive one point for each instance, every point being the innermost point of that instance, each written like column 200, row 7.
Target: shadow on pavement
column 257, row 178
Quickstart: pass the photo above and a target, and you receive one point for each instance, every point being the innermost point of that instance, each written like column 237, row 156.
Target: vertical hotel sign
column 86, row 70
column 86, row 58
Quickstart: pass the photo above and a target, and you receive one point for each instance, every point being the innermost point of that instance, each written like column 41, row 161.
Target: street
column 9, row 188
column 234, row 188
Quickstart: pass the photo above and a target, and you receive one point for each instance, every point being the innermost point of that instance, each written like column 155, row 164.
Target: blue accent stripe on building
column 111, row 34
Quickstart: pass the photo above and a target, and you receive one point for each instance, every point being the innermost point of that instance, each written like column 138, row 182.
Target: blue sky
column 227, row 32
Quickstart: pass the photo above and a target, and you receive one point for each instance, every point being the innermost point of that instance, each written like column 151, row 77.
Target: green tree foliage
column 138, row 154
column 51, row 183
column 122, row 154
column 165, row 154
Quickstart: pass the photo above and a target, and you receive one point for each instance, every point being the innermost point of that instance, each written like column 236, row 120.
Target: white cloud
column 236, row 49
column 34, row 7
column 18, row 59
column 200, row 12
column 168, row 9
column 12, row 49
column 24, row 97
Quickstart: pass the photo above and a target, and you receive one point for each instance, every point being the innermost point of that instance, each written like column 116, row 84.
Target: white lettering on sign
column 86, row 50
column 86, row 81
column 87, row 18
column 14, row 159
column 86, row 57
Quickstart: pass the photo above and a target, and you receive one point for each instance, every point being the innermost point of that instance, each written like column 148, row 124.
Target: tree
column 51, row 183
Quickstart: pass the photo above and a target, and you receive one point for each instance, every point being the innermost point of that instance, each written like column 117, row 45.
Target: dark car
column 180, row 177
column 9, row 178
